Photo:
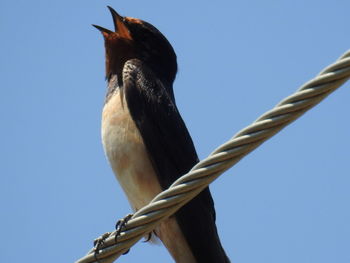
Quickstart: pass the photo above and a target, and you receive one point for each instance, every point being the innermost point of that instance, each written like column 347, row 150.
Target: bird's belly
column 127, row 154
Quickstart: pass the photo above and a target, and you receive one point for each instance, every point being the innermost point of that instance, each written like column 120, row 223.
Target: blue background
column 288, row 201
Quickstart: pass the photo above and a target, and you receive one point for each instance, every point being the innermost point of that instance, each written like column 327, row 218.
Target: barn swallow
column 145, row 139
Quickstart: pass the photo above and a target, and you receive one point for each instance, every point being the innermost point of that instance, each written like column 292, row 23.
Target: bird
column 145, row 139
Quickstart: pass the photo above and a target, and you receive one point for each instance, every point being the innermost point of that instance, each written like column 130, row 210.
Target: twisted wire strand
column 225, row 156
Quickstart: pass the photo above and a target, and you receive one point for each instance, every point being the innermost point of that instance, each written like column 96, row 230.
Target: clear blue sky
column 286, row 202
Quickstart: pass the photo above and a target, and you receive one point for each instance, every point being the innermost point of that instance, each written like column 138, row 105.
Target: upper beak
column 117, row 19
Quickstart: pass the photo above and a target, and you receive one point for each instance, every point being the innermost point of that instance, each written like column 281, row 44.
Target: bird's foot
column 120, row 225
column 98, row 242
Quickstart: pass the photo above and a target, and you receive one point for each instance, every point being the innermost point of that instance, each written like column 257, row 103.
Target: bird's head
column 134, row 38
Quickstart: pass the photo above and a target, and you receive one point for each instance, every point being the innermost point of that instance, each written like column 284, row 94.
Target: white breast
column 127, row 154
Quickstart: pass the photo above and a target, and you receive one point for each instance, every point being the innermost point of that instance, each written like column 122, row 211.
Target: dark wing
column 172, row 153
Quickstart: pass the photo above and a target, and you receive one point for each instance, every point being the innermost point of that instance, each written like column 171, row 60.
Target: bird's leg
column 119, row 227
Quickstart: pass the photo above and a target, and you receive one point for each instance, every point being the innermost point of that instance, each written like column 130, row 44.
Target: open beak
column 119, row 26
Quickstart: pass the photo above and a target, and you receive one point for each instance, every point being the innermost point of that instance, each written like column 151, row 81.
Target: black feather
column 172, row 154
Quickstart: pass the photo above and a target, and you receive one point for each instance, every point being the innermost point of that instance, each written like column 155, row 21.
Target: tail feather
column 197, row 222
